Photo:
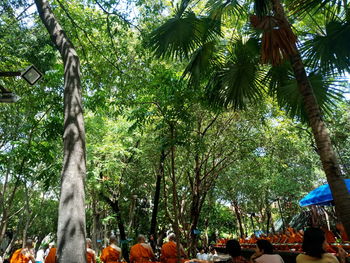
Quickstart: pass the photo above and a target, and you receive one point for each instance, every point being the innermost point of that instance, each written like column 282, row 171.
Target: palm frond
column 240, row 79
column 202, row 63
column 301, row 7
column 180, row 36
column 330, row 52
column 283, row 87
column 219, row 9
column 181, row 8
column 176, row 38
column 209, row 29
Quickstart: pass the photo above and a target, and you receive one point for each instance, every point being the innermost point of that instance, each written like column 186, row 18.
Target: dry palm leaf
column 278, row 40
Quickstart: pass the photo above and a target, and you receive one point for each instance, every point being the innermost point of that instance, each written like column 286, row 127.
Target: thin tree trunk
column 4, row 215
column 71, row 219
column 281, row 214
column 27, row 214
column 175, row 204
column 195, row 202
column 160, row 174
column 239, row 218
column 273, row 226
column 268, row 215
column 115, row 207
column 328, row 157
column 132, row 213
column 95, row 218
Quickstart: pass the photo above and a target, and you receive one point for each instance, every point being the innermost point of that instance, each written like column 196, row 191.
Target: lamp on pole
column 31, row 74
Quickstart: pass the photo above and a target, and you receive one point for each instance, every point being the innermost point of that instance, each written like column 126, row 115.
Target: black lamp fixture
column 31, row 74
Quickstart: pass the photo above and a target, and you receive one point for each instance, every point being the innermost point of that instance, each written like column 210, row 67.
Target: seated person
column 314, row 245
column 233, row 248
column 264, row 253
column 212, row 254
column 202, row 255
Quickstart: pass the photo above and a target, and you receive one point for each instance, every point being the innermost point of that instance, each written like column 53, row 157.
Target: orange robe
column 19, row 257
column 275, row 238
column 330, row 238
column 169, row 253
column 51, row 257
column 90, row 256
column 299, row 238
column 110, row 255
column 290, row 230
column 140, row 253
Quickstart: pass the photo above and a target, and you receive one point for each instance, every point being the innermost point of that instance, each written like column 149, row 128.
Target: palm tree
column 232, row 74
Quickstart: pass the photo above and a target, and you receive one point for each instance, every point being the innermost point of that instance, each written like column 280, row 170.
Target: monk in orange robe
column 112, row 253
column 90, row 253
column 51, row 257
column 169, row 251
column 24, row 255
column 141, row 252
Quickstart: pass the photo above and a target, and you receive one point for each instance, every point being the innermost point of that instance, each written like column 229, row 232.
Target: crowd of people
column 141, row 252
column 315, row 249
column 291, row 239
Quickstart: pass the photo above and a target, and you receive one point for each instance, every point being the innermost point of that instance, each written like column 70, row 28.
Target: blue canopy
column 321, row 195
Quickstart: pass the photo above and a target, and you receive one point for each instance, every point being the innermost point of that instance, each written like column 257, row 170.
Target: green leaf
column 180, row 36
column 313, row 6
column 203, row 60
column 283, row 86
column 240, row 79
column 218, row 9
column 330, row 52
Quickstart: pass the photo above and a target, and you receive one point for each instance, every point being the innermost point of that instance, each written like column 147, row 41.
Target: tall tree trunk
column 328, row 158
column 71, row 218
column 160, row 174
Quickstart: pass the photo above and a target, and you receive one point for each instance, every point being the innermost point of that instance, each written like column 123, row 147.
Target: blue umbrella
column 321, row 195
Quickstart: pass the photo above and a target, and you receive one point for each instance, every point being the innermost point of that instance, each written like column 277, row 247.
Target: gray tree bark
column 71, row 218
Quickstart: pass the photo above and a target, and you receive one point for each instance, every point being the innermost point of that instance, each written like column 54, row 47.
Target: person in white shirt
column 202, row 255
column 212, row 256
column 40, row 255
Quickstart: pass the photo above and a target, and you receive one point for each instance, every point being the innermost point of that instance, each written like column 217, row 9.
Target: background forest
column 165, row 151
